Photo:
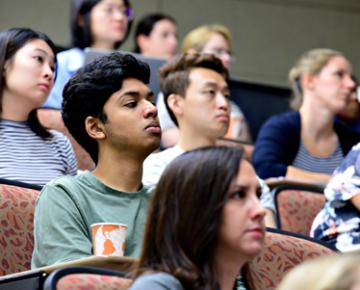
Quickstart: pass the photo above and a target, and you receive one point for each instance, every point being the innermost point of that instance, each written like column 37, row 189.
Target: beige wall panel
column 268, row 34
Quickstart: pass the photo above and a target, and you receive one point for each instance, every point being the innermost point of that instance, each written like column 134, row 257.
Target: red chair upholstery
column 92, row 282
column 282, row 252
column 17, row 205
column 89, row 278
column 297, row 206
column 51, row 118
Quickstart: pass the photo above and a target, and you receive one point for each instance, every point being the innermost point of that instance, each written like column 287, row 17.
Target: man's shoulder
column 70, row 184
column 163, row 157
column 156, row 163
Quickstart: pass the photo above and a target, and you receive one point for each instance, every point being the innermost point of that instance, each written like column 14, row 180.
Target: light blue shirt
column 68, row 62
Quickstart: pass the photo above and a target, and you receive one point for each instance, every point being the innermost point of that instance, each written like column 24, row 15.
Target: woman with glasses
column 100, row 24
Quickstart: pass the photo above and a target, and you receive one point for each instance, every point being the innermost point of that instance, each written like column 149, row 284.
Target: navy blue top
column 279, row 140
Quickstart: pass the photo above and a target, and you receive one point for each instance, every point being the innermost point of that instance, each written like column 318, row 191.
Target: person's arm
column 60, row 233
column 355, row 200
column 274, row 145
column 301, row 174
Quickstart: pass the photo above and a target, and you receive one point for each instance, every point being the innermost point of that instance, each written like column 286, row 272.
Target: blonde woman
column 307, row 143
column 336, row 272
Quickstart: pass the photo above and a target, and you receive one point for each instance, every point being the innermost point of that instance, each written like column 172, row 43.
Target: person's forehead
column 200, row 75
column 133, row 84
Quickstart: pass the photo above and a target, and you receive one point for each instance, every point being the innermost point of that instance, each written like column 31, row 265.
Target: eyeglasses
column 127, row 12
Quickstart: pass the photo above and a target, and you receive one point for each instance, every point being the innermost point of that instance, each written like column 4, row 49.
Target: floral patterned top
column 338, row 223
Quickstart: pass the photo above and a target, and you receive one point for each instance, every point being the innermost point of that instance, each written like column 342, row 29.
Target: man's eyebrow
column 210, row 83
column 137, row 93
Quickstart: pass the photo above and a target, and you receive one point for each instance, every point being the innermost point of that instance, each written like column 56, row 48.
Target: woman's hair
column 184, row 216
column 11, row 40
column 197, row 38
column 335, row 272
column 311, row 62
column 146, row 25
column 81, row 33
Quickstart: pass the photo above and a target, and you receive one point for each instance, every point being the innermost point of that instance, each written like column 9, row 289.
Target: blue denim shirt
column 68, row 62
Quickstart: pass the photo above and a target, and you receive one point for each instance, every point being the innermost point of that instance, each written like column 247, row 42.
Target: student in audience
column 100, row 24
column 338, row 221
column 216, row 40
column 108, row 109
column 29, row 152
column 335, row 272
column 205, row 224
column 307, row 143
column 156, row 36
column 197, row 99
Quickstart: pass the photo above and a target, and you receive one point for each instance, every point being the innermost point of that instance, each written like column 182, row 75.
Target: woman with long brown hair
column 205, row 223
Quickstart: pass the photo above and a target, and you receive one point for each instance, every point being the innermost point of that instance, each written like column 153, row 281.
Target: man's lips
column 153, row 127
column 223, row 117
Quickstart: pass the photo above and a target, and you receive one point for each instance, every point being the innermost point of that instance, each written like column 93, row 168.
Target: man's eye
column 210, row 92
column 131, row 104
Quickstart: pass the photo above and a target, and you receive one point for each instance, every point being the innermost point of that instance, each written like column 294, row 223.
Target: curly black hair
column 86, row 93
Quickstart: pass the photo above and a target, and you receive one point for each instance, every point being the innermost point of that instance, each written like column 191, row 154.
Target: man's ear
column 95, row 128
column 175, row 103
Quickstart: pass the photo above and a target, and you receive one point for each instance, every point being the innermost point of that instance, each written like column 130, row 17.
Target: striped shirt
column 26, row 157
column 304, row 160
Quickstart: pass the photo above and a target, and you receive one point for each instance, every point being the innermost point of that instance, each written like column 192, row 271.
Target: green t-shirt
column 66, row 208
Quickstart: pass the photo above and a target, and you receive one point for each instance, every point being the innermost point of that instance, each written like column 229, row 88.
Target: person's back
column 108, row 109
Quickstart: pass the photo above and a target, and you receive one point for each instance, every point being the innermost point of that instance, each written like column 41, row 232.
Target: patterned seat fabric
column 17, row 206
column 297, row 209
column 52, row 119
column 93, row 282
column 280, row 254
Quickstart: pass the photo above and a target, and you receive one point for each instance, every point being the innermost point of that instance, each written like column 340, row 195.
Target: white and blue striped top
column 326, row 165
column 26, row 157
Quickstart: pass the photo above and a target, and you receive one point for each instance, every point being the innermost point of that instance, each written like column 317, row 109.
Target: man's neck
column 189, row 140
column 122, row 172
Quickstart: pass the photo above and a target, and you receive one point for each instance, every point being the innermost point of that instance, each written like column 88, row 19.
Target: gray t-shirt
column 156, row 281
